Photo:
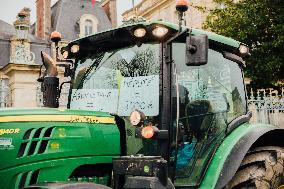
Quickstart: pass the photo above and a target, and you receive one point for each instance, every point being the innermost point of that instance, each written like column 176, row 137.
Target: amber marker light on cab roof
column 182, row 5
column 55, row 36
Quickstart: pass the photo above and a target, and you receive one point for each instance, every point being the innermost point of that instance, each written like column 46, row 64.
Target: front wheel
column 58, row 185
column 262, row 168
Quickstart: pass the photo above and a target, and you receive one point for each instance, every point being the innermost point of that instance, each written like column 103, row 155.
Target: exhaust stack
column 50, row 82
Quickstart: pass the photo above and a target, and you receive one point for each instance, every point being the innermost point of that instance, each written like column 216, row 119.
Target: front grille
column 27, row 178
column 35, row 141
column 104, row 180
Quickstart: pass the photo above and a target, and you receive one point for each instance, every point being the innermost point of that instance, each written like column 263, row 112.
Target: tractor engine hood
column 30, row 136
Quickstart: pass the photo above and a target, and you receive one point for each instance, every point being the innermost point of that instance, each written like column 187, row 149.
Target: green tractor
column 151, row 105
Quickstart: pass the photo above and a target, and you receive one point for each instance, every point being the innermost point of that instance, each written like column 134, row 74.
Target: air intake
column 27, row 178
column 35, row 141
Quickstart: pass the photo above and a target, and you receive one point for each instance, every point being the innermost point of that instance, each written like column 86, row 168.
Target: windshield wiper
column 95, row 63
column 217, row 81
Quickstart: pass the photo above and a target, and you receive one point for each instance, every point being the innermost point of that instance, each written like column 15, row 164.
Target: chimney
column 109, row 7
column 43, row 19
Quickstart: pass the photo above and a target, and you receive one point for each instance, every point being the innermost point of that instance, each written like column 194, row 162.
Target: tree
column 260, row 25
column 143, row 63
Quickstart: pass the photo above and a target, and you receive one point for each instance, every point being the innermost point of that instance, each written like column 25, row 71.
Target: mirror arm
column 234, row 58
column 62, row 60
column 177, row 35
column 61, row 86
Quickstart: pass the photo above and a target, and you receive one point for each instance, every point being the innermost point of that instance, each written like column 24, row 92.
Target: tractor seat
column 199, row 114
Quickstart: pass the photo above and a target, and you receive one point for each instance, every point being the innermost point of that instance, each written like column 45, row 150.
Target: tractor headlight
column 160, row 31
column 139, row 32
column 244, row 50
column 137, row 118
column 148, row 132
column 75, row 48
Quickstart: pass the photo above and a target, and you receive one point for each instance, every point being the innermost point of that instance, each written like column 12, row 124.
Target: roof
column 7, row 31
column 4, row 52
column 66, row 15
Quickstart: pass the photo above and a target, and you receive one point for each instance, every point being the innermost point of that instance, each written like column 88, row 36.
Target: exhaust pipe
column 49, row 64
column 50, row 82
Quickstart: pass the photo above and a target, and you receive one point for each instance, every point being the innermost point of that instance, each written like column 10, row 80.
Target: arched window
column 88, row 27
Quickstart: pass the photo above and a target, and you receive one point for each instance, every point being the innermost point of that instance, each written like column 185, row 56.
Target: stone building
column 165, row 10
column 22, row 42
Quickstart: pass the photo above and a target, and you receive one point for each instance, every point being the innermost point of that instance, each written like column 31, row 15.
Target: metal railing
column 267, row 106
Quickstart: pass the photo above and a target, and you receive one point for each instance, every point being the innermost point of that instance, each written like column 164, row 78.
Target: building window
column 5, row 95
column 88, row 25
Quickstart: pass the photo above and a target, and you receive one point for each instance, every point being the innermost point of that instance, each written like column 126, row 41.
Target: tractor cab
column 174, row 94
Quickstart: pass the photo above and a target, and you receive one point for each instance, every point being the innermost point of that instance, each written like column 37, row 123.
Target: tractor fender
column 233, row 149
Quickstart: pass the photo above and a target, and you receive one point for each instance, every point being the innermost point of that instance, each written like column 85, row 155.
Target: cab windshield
column 120, row 81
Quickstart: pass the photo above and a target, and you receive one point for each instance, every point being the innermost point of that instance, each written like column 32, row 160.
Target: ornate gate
column 267, row 106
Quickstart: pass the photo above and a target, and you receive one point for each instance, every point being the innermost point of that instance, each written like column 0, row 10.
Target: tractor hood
column 29, row 136
column 51, row 114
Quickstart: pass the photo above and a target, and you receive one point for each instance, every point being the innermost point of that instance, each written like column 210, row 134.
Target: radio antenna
column 133, row 8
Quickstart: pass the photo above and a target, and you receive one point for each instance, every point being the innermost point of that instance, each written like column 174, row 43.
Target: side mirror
column 197, row 50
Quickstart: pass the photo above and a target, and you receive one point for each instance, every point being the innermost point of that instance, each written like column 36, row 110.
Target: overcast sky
column 10, row 8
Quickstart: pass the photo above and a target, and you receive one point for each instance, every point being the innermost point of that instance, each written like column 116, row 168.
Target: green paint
column 50, row 111
column 50, row 170
column 68, row 146
column 214, row 170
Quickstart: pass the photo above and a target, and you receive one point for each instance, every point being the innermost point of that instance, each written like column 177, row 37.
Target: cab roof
column 212, row 36
column 123, row 36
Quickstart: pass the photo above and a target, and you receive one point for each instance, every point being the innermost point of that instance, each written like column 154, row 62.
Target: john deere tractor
column 151, row 105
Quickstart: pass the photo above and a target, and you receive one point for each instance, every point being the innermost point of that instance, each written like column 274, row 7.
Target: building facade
column 22, row 42
column 165, row 10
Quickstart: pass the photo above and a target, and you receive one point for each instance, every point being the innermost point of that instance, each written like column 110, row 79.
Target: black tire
column 58, row 185
column 262, row 168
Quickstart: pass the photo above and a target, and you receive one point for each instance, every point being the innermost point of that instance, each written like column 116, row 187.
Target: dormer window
column 88, row 25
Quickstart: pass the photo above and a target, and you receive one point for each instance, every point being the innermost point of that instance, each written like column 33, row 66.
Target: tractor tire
column 261, row 168
column 58, row 185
